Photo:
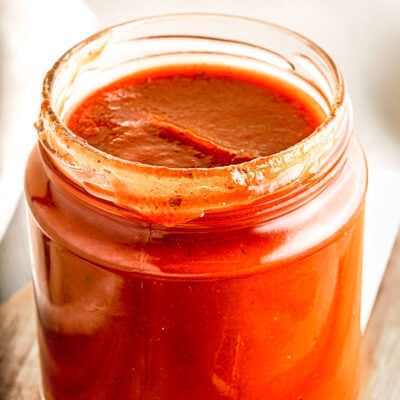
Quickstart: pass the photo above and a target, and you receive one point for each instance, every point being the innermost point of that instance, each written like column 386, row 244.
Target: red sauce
column 195, row 116
column 245, row 308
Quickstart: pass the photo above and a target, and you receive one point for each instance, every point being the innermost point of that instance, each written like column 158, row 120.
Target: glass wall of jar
column 233, row 282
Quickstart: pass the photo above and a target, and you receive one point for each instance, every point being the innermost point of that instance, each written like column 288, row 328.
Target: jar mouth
column 172, row 196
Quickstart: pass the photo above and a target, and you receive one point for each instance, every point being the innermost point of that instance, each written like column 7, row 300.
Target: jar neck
column 174, row 196
column 268, row 207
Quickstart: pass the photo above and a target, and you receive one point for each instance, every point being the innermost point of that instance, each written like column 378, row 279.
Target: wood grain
column 381, row 346
column 19, row 366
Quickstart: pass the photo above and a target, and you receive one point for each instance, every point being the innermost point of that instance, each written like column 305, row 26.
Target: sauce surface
column 195, row 116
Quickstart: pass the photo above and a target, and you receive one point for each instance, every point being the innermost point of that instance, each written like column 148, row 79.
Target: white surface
column 363, row 37
column 382, row 222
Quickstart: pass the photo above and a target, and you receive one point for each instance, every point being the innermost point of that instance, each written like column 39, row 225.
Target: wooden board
column 19, row 366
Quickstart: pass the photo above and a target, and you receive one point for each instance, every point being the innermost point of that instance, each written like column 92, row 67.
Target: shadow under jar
column 235, row 280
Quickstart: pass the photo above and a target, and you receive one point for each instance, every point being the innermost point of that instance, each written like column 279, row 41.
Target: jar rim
column 175, row 195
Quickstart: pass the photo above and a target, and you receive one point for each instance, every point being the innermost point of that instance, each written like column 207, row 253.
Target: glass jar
column 235, row 282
